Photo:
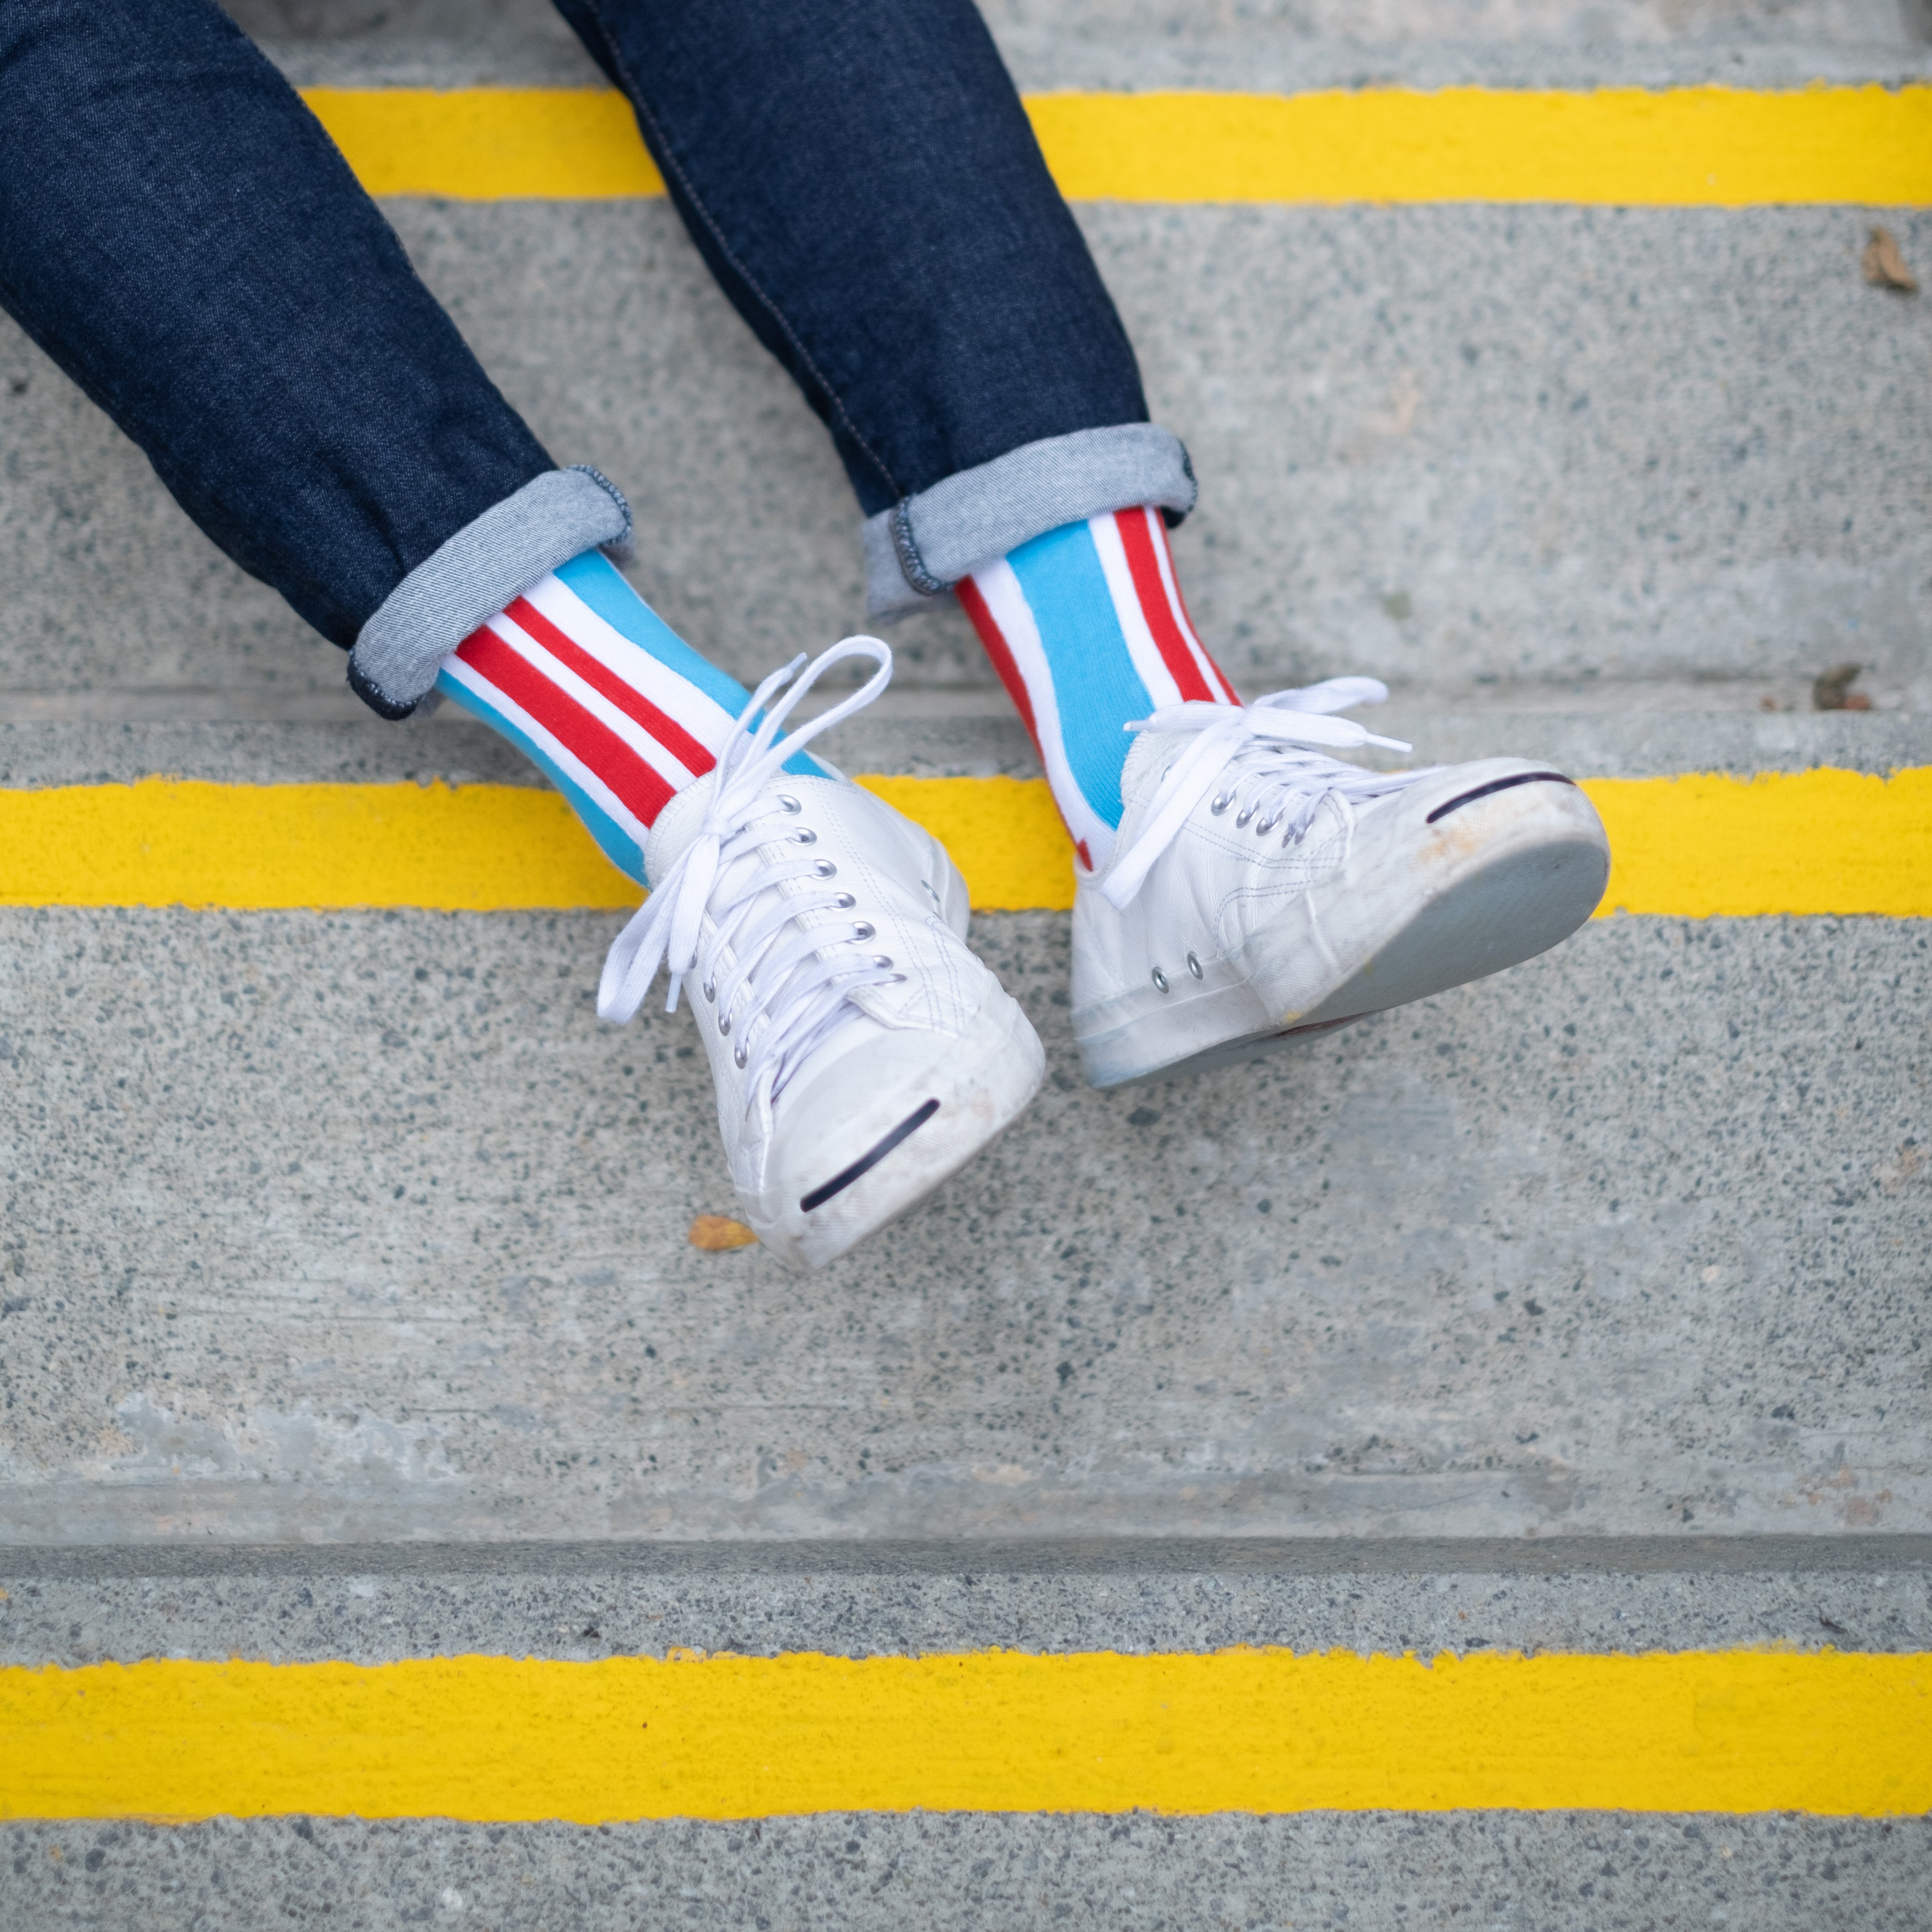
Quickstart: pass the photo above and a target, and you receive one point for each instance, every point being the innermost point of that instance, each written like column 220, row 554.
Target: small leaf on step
column 1885, row 266
column 716, row 1233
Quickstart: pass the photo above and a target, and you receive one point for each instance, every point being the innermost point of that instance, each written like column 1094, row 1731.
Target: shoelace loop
column 1260, row 753
column 796, row 974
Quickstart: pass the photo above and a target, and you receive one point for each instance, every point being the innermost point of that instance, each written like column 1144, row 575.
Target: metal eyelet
column 1242, row 817
column 845, row 901
column 739, row 1057
column 710, row 990
column 879, row 959
column 1194, row 966
column 863, row 929
column 1266, row 825
column 805, row 836
column 897, row 980
column 787, row 803
column 1218, row 803
column 723, row 1023
column 1160, row 979
column 826, row 869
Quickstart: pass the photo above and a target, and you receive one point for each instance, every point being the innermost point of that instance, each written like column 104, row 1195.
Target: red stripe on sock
column 645, row 790
column 631, row 702
column 1137, row 540
column 1233, row 696
column 997, row 648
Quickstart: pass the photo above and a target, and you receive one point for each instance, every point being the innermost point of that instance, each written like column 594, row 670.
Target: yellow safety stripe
column 1670, row 147
column 1810, row 842
column 505, row 1739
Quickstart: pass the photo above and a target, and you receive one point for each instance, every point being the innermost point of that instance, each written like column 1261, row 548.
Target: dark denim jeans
column 179, row 235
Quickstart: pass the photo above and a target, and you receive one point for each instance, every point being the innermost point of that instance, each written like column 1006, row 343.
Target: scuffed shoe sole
column 1501, row 899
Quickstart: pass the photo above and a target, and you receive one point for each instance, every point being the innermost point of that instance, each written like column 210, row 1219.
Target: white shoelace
column 1256, row 754
column 795, row 975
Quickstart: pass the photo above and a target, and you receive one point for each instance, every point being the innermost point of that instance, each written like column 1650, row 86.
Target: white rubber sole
column 1520, row 876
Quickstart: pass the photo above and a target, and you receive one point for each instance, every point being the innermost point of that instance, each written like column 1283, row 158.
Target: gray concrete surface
column 927, row 736
column 1455, row 447
column 1521, row 1872
column 1138, row 44
column 372, row 1603
column 358, row 1226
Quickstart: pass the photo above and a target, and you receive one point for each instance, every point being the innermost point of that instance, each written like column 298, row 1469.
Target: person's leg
column 862, row 178
column 177, row 232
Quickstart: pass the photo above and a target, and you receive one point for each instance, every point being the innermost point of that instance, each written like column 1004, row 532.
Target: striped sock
column 1087, row 630
column 582, row 674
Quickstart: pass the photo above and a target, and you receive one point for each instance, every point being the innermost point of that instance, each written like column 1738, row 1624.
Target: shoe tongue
column 1146, row 755
column 677, row 825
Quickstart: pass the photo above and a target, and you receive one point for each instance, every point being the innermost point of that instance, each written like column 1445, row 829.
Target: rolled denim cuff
column 925, row 544
column 488, row 564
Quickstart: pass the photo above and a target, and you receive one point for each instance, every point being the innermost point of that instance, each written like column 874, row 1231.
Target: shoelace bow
column 795, row 975
column 1259, row 753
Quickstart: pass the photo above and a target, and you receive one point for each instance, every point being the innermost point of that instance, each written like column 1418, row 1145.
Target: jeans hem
column 924, row 545
column 486, row 565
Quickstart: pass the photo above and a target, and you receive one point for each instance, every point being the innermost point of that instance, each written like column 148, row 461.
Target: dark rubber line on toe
column 1496, row 785
column 865, row 1164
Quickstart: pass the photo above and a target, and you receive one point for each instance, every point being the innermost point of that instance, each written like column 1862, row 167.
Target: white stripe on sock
column 1148, row 662
column 677, row 697
column 1006, row 605
column 587, row 697
column 567, row 761
column 1163, row 557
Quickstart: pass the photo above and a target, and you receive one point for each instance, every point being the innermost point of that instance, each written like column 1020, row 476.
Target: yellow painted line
column 490, row 144
column 1675, row 147
column 1818, row 842
column 170, row 841
column 503, row 1739
column 1811, row 842
column 1681, row 147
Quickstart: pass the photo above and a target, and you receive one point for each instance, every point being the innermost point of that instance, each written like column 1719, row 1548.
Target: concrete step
column 358, row 1224
column 363, row 1605
column 1673, row 452
column 1501, row 445
column 1139, row 44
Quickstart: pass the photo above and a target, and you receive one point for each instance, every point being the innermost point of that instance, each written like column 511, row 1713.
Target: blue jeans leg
column 177, row 232
column 179, row 235
column 865, row 184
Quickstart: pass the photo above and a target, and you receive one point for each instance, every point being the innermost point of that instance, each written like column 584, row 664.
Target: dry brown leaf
column 716, row 1233
column 1885, row 266
column 1831, row 691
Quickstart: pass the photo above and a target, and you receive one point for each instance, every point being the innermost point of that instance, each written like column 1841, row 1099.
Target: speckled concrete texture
column 1443, row 446
column 1271, row 44
column 1522, row 1872
column 926, row 737
column 455, row 747
column 373, row 1604
column 360, row 1226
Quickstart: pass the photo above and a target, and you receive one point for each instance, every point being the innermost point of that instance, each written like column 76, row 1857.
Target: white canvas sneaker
column 1260, row 890
column 862, row 1054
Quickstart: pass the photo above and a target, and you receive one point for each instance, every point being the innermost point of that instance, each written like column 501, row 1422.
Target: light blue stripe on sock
column 619, row 847
column 1096, row 687
column 602, row 586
